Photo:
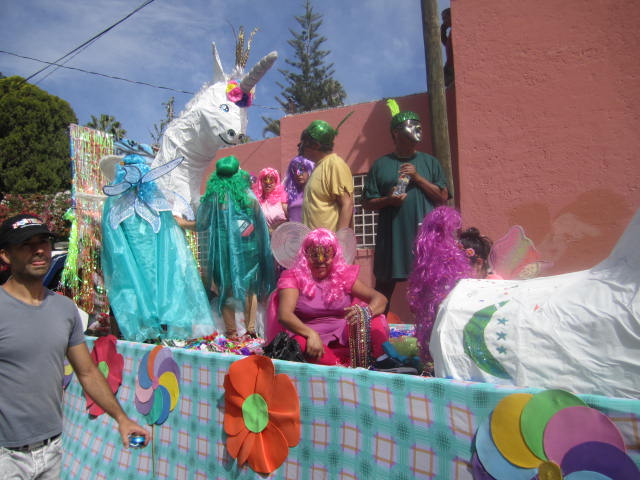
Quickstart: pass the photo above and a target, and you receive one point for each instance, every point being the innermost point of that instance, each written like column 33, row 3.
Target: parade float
column 220, row 414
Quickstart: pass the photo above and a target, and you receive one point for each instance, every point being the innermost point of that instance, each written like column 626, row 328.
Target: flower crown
column 236, row 95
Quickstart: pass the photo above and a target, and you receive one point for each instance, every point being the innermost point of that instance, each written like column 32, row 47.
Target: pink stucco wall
column 548, row 115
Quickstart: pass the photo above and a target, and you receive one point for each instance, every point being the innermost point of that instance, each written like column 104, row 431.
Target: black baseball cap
column 20, row 228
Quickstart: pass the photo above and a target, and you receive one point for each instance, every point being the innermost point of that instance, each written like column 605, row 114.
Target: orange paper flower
column 262, row 414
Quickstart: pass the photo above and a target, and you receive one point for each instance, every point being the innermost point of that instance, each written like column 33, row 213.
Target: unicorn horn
column 257, row 72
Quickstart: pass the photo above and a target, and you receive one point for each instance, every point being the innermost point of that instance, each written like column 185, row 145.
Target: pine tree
column 309, row 84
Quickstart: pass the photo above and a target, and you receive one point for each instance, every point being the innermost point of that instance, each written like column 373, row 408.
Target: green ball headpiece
column 227, row 166
column 398, row 117
column 322, row 132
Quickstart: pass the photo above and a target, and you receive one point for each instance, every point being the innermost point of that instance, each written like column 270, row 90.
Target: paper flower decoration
column 262, row 414
column 157, row 385
column 237, row 96
column 552, row 435
column 68, row 374
column 110, row 363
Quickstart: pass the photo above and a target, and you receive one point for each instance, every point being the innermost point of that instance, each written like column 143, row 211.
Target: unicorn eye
column 224, row 107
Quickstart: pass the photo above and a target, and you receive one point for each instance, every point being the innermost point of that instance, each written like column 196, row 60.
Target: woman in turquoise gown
column 150, row 273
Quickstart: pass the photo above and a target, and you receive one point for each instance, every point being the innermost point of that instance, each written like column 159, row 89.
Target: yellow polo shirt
column 329, row 180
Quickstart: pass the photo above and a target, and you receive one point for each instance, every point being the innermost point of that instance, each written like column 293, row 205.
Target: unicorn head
column 215, row 117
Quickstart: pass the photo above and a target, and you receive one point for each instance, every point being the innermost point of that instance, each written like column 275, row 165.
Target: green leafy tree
column 309, row 85
column 34, row 139
column 108, row 124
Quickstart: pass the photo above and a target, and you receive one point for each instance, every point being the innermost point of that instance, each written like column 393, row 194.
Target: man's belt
column 33, row 446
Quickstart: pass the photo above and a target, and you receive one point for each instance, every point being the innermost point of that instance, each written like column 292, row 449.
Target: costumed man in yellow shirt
column 328, row 196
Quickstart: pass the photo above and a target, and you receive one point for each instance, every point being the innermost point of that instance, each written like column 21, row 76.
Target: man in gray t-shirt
column 37, row 329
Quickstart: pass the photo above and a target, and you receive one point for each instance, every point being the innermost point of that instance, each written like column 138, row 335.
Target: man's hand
column 394, row 200
column 127, row 427
column 408, row 169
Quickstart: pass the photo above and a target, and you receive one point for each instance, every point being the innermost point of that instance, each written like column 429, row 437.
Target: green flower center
column 104, row 368
column 255, row 413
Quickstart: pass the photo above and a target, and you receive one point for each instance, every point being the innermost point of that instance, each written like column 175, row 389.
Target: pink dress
column 328, row 320
column 273, row 212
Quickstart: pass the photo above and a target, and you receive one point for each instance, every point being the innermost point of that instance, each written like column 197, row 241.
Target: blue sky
column 376, row 48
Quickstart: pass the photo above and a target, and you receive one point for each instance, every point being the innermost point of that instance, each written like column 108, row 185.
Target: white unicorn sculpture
column 215, row 117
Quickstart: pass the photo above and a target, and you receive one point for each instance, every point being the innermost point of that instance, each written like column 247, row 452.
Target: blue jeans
column 44, row 463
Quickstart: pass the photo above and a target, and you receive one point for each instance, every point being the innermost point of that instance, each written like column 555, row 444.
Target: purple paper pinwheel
column 157, row 385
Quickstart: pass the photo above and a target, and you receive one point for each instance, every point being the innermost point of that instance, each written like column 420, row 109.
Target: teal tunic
column 397, row 226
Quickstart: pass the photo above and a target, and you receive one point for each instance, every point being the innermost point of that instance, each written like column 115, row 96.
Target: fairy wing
column 514, row 256
column 349, row 243
column 286, row 241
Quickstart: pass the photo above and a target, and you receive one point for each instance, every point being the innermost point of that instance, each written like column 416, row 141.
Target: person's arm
column 375, row 300
column 345, row 203
column 94, row 383
column 285, row 208
column 437, row 195
column 379, row 203
column 184, row 223
column 288, row 318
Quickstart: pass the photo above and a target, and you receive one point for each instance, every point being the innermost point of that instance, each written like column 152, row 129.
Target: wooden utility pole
column 435, row 87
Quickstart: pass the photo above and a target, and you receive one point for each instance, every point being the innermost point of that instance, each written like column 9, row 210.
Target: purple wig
column 290, row 185
column 439, row 264
column 277, row 195
column 321, row 237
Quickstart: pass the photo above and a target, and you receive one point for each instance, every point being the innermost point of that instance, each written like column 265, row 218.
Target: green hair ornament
column 398, row 117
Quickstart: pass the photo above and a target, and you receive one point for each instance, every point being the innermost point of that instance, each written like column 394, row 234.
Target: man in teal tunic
column 401, row 212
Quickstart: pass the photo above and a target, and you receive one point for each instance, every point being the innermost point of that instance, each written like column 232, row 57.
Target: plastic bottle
column 401, row 186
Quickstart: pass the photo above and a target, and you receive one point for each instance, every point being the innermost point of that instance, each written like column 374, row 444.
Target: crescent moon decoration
column 475, row 345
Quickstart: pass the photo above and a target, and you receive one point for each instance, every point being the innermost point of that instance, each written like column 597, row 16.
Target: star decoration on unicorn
column 215, row 117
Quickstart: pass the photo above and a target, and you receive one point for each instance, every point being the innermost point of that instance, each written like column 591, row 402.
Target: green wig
column 229, row 178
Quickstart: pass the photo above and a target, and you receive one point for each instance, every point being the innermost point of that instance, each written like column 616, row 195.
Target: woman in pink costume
column 272, row 197
column 315, row 303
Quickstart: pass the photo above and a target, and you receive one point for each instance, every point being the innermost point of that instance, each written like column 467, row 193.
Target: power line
column 89, row 41
column 96, row 73
column 122, row 79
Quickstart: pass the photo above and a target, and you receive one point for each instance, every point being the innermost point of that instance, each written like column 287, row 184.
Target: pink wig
column 439, row 264
column 321, row 237
column 277, row 195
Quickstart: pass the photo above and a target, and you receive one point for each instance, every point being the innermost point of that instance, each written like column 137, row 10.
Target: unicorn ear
column 257, row 72
column 218, row 72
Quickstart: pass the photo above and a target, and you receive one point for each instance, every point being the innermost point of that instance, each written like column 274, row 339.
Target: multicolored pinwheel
column 157, row 385
column 110, row 363
column 262, row 414
column 552, row 435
